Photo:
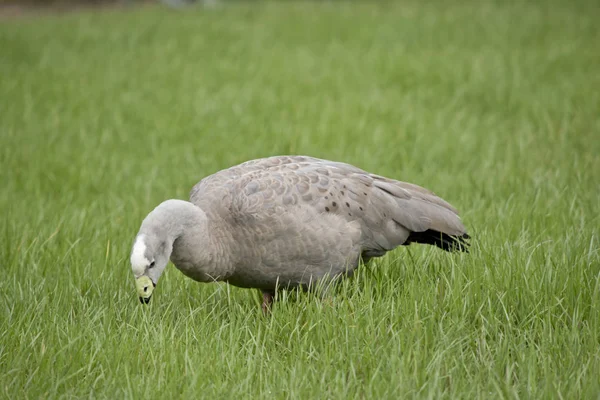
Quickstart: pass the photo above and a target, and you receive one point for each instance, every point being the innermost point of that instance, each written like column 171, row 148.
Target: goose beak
column 144, row 286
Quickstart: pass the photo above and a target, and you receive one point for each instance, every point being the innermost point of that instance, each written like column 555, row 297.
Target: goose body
column 288, row 221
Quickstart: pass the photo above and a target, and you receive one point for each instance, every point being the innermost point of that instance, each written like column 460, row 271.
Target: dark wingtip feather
column 442, row 240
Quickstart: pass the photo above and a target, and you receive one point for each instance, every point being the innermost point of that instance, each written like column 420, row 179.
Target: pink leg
column 268, row 298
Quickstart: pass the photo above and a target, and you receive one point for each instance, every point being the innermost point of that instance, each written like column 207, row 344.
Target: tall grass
column 493, row 105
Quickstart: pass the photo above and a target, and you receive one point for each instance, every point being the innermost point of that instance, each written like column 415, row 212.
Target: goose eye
column 151, row 264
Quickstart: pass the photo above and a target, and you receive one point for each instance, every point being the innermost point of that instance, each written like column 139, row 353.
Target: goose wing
column 390, row 212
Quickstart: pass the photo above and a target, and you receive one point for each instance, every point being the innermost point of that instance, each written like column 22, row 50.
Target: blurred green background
column 106, row 111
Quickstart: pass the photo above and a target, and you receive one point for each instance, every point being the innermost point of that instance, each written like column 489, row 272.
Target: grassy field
column 494, row 106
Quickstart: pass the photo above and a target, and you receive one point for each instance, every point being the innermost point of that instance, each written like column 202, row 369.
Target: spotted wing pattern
column 390, row 212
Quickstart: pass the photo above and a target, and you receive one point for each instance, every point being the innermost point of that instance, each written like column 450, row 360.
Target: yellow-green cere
column 144, row 286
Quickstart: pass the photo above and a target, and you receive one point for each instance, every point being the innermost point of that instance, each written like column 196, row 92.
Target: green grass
column 493, row 105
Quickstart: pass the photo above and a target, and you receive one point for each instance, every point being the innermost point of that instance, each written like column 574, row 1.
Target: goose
column 288, row 222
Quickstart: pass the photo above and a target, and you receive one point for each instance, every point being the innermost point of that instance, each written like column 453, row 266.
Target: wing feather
column 388, row 211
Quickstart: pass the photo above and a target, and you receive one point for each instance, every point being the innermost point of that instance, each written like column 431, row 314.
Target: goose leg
column 267, row 301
